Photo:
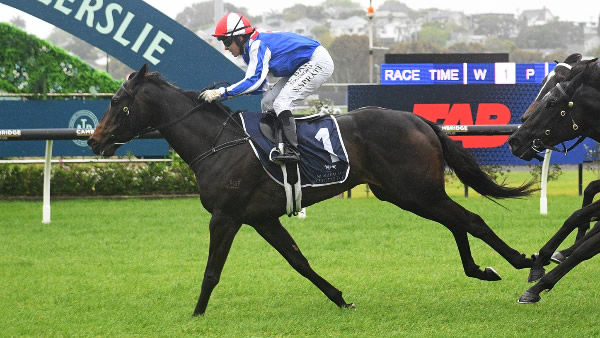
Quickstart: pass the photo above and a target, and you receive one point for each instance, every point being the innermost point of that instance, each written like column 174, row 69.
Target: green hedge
column 99, row 179
column 31, row 65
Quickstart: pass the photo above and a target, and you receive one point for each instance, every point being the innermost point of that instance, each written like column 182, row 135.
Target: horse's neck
column 193, row 135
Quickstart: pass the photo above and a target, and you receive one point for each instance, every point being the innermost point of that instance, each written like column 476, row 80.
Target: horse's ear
column 573, row 58
column 139, row 75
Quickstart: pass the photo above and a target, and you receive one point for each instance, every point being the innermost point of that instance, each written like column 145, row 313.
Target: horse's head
column 558, row 74
column 125, row 117
column 564, row 113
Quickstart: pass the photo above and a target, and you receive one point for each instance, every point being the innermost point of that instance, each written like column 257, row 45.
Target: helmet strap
column 241, row 42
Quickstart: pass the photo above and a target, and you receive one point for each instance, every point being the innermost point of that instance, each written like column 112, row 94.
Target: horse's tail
column 462, row 162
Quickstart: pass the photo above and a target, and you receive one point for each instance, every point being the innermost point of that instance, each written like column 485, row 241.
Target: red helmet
column 233, row 24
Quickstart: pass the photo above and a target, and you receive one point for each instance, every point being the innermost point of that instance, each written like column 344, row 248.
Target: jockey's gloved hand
column 211, row 95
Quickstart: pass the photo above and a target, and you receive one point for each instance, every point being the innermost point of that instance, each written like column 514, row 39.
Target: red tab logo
column 460, row 114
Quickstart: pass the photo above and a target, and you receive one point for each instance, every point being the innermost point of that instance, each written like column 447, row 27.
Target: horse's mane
column 587, row 72
column 158, row 79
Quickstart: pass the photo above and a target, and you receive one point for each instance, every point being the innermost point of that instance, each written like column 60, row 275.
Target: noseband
column 538, row 145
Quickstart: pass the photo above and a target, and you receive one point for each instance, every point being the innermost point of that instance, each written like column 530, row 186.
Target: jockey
column 301, row 63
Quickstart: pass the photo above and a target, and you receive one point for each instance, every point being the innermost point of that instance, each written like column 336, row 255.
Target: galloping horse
column 400, row 155
column 560, row 72
column 569, row 110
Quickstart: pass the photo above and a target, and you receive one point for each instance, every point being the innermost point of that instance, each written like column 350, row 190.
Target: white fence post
column 47, row 176
column 544, row 183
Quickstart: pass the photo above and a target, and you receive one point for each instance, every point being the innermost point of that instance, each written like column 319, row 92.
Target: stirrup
column 288, row 157
column 285, row 155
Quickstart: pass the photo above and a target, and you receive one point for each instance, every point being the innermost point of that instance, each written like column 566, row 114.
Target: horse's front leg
column 276, row 235
column 592, row 189
column 223, row 229
column 589, row 247
column 560, row 256
column 579, row 217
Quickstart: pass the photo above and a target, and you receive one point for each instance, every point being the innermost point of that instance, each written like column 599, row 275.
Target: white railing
column 68, row 134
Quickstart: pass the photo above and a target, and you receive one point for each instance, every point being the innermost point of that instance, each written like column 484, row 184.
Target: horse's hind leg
column 436, row 206
column 223, row 229
column 458, row 220
column 276, row 235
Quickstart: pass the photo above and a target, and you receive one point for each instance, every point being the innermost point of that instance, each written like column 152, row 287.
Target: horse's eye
column 551, row 103
column 114, row 101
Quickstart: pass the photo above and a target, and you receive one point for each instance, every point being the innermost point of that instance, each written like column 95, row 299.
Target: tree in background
column 552, row 35
column 300, row 11
column 200, row 16
column 434, row 33
column 495, row 25
column 322, row 35
column 350, row 54
column 416, row 47
column 32, row 65
column 90, row 54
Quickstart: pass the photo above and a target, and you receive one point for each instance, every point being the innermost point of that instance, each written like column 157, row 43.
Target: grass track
column 134, row 267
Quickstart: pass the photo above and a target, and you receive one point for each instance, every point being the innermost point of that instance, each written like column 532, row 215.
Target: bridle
column 538, row 145
column 214, row 148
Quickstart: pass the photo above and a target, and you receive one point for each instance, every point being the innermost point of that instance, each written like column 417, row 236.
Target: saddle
column 269, row 126
column 323, row 157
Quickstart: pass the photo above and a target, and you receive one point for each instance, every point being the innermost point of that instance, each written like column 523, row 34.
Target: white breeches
column 304, row 82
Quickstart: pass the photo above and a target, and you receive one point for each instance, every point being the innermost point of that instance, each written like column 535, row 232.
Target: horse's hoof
column 536, row 274
column 491, row 274
column 529, row 297
column 558, row 257
column 349, row 306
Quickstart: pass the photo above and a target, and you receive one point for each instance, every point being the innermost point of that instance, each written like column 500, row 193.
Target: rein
column 229, row 144
column 170, row 123
column 215, row 148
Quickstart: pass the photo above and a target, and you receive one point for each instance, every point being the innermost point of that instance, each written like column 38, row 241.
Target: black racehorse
column 400, row 155
column 571, row 109
column 559, row 74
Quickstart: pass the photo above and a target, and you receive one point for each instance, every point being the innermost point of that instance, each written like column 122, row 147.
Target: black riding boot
column 290, row 149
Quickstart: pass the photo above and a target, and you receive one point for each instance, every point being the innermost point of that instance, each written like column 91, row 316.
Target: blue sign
column 136, row 33
column 480, row 73
column 532, row 72
column 421, row 73
column 463, row 73
column 485, row 104
column 81, row 115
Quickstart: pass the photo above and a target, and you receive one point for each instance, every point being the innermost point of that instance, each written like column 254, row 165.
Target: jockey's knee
column 281, row 105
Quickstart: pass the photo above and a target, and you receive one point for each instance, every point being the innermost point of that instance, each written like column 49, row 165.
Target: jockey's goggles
column 227, row 40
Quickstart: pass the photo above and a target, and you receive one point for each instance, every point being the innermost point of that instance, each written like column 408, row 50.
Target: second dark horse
column 400, row 155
